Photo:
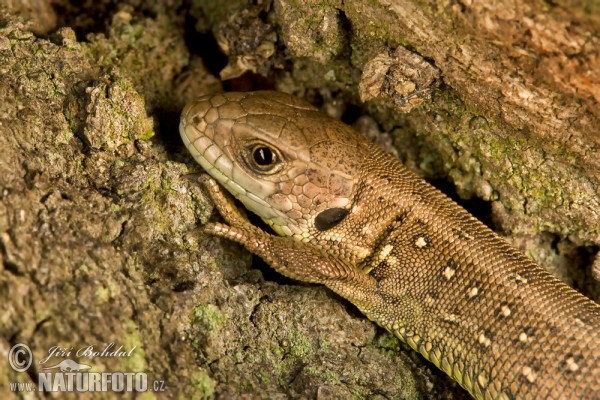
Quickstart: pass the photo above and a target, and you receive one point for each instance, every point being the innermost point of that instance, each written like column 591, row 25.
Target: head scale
column 284, row 160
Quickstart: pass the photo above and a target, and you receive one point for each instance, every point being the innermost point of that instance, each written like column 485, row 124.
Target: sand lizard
column 356, row 220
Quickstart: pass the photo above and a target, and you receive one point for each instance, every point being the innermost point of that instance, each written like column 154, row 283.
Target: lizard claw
column 194, row 231
column 209, row 229
column 193, row 177
column 222, row 230
column 213, row 229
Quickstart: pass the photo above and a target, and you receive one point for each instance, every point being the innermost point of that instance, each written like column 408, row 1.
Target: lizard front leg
column 294, row 259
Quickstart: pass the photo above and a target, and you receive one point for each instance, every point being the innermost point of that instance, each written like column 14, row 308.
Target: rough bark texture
column 95, row 208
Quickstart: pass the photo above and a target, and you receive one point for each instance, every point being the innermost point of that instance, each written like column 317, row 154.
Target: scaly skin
column 356, row 220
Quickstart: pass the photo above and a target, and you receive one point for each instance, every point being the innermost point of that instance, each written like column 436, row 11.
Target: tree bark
column 95, row 208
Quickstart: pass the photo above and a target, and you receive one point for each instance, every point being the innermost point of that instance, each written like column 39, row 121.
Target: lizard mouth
column 278, row 156
column 208, row 129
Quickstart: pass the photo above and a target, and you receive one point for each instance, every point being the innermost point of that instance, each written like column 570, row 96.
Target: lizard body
column 356, row 220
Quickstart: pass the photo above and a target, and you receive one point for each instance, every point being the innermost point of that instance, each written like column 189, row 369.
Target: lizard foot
column 230, row 213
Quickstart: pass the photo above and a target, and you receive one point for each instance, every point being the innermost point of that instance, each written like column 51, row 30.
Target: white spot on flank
column 473, row 292
column 523, row 337
column 572, row 365
column 520, row 279
column 505, row 311
column 484, row 340
column 450, row 317
column 449, row 273
column 530, row 374
column 385, row 251
column 392, row 260
column 420, row 242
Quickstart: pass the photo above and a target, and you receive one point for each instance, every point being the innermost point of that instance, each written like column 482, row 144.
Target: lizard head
column 285, row 161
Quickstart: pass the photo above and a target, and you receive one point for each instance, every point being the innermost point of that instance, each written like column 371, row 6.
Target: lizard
column 351, row 217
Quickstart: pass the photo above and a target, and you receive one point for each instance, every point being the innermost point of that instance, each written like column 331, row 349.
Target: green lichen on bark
column 94, row 228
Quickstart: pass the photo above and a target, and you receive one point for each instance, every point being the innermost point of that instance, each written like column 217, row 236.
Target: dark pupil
column 263, row 156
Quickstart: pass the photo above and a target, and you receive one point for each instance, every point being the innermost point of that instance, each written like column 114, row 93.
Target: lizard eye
column 263, row 156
